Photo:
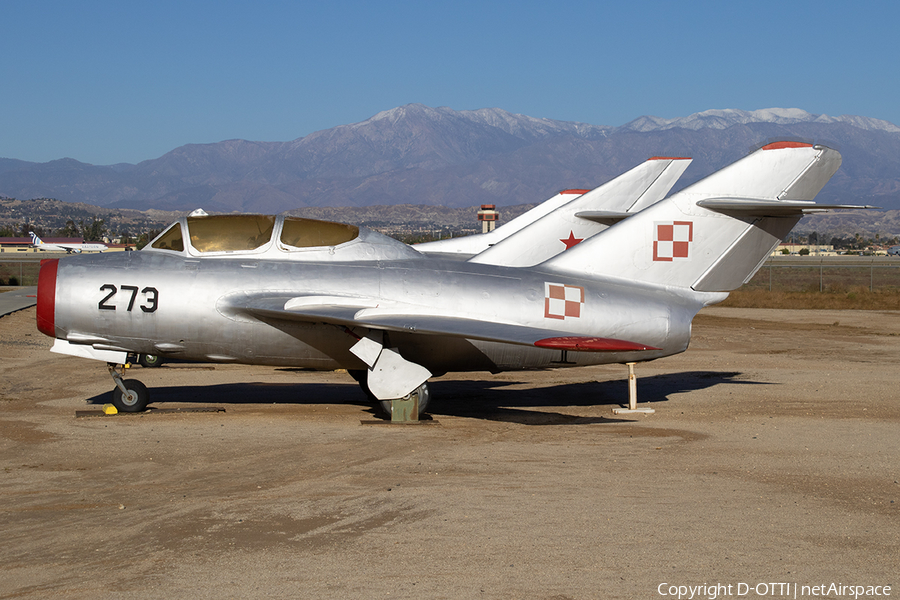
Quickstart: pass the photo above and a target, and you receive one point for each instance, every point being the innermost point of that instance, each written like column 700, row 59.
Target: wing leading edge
column 363, row 312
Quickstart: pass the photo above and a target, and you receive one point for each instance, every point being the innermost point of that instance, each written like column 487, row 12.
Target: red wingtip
column 591, row 344
column 575, row 191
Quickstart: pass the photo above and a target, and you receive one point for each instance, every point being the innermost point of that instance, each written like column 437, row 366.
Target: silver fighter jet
column 567, row 218
column 285, row 291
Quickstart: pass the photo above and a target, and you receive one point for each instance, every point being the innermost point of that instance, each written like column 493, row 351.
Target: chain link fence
column 782, row 274
column 19, row 272
column 827, row 274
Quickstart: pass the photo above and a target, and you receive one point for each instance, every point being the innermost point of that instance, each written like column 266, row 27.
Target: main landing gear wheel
column 424, row 396
column 134, row 399
column 362, row 378
column 149, row 360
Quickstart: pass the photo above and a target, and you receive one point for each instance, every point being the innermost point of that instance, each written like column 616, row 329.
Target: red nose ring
column 46, row 297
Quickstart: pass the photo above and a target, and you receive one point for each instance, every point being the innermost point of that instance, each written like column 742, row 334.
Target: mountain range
column 420, row 155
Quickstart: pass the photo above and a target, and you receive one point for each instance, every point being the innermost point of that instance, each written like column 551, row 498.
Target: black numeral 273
column 151, row 297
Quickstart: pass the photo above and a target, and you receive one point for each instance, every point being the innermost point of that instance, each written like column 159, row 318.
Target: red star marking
column 571, row 240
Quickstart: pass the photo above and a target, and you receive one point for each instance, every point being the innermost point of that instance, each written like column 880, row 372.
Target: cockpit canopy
column 284, row 236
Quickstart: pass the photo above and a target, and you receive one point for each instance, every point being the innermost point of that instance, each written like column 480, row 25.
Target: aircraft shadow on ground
column 254, row 393
column 488, row 399
column 493, row 400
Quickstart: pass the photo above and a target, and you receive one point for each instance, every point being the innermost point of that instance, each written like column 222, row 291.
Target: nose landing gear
column 129, row 395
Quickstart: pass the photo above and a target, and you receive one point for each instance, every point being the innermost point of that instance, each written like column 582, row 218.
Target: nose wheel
column 129, row 395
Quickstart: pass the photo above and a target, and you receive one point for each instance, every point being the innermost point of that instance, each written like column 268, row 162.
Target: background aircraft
column 567, row 218
column 286, row 291
column 67, row 248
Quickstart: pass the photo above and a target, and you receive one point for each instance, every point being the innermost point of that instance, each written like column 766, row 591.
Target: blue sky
column 109, row 82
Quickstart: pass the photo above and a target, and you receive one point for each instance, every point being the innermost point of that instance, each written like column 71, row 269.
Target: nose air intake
column 46, row 297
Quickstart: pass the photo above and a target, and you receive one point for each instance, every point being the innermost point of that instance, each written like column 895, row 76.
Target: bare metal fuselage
column 196, row 309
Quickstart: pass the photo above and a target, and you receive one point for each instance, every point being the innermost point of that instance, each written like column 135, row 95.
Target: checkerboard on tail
column 673, row 240
column 715, row 234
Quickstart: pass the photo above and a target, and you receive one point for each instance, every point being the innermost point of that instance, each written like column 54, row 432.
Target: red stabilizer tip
column 781, row 145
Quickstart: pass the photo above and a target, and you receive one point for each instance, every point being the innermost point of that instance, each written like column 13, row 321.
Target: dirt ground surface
column 772, row 458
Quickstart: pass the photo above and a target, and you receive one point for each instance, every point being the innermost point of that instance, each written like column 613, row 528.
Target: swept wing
column 371, row 314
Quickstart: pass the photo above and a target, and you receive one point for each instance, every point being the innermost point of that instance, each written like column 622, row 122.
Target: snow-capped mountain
column 722, row 119
column 416, row 154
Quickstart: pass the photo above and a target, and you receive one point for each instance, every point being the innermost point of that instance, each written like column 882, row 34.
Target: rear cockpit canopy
column 276, row 237
column 230, row 233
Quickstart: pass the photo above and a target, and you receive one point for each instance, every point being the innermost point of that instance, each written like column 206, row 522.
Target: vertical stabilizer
column 473, row 244
column 713, row 235
column 587, row 215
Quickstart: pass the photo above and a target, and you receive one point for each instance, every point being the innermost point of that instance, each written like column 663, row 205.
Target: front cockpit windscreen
column 310, row 233
column 170, row 240
column 230, row 233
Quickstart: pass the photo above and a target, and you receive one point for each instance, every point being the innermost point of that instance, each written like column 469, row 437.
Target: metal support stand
column 632, row 395
column 405, row 410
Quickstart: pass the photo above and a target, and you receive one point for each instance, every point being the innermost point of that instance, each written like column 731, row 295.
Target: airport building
column 23, row 244
column 811, row 249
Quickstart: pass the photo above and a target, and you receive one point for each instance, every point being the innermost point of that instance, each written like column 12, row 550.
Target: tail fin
column 587, row 215
column 471, row 245
column 714, row 235
column 675, row 167
column 35, row 239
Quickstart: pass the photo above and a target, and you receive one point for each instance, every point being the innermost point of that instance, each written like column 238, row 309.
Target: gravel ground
column 773, row 457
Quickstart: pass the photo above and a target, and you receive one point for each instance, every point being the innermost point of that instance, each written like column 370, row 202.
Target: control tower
column 488, row 215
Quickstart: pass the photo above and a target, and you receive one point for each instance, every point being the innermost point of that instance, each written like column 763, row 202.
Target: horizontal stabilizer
column 604, row 217
column 773, row 208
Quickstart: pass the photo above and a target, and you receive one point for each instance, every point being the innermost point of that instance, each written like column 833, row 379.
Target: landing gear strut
column 129, row 395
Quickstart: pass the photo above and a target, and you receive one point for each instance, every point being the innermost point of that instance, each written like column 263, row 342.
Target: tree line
column 846, row 242
column 93, row 231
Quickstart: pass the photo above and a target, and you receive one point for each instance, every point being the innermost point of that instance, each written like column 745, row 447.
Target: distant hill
column 419, row 155
column 49, row 215
column 402, row 219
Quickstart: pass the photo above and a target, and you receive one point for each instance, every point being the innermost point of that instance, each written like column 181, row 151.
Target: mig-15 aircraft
column 566, row 219
column 286, row 291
